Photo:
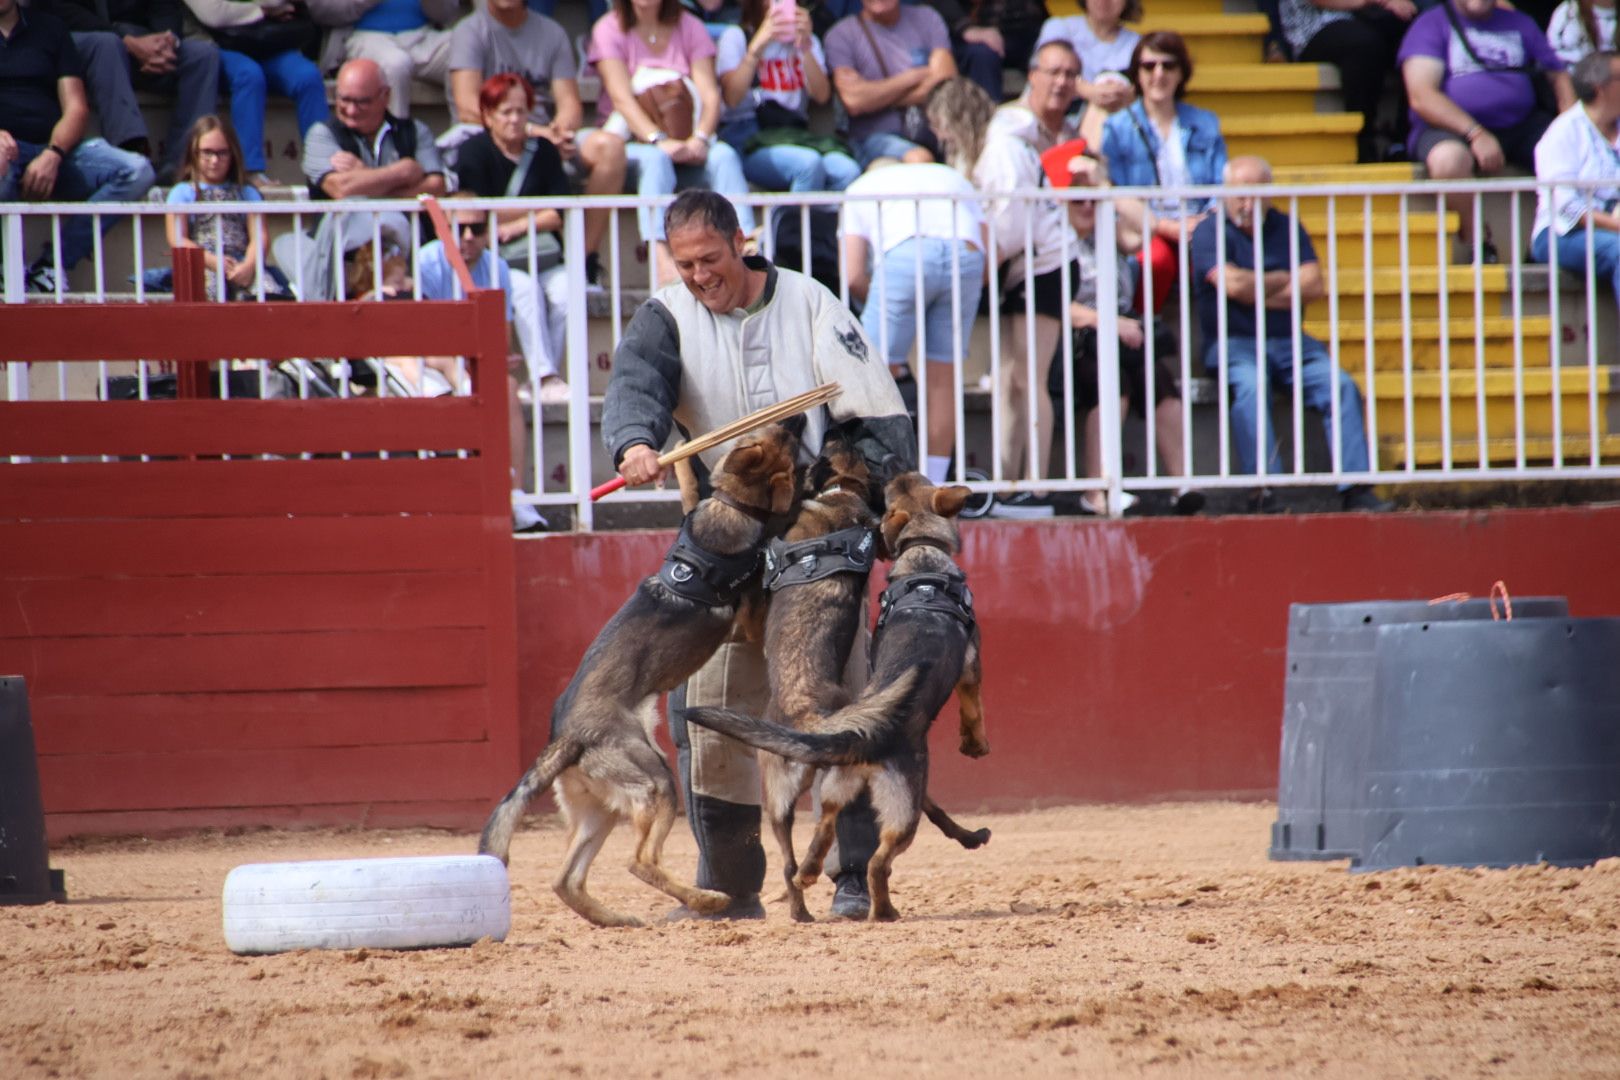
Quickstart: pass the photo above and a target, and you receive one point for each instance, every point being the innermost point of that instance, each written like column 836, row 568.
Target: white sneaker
column 553, row 390
column 524, row 516
column 1022, row 506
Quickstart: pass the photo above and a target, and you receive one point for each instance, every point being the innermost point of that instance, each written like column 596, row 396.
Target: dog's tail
column 860, row 731
column 496, row 839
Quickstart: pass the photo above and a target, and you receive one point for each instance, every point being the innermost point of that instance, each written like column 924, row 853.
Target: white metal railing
column 1524, row 406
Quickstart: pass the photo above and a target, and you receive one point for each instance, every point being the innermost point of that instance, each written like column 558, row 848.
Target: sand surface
column 1083, row 941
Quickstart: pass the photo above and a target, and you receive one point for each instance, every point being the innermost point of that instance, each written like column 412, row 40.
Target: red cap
column 1058, row 162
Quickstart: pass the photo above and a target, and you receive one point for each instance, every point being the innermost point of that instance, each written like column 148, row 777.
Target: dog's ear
column 784, row 490
column 744, row 458
column 893, row 522
column 948, row 501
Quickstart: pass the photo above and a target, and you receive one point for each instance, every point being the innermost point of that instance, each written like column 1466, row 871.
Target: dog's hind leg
column 968, row 838
column 896, row 800
column 974, row 742
column 589, row 822
column 654, row 815
column 839, row 788
column 784, row 783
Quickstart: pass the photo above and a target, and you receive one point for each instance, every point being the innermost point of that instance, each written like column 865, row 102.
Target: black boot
column 731, row 858
column 857, row 840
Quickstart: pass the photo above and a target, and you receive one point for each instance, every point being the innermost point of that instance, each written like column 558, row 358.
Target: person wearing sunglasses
column 1161, row 141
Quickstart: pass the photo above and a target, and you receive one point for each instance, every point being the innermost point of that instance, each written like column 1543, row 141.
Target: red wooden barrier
column 216, row 639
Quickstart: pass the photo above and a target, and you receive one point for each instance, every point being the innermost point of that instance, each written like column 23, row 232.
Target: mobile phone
column 785, row 14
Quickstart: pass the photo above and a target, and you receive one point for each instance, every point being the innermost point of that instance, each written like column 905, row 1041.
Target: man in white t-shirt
column 888, row 225
column 505, row 36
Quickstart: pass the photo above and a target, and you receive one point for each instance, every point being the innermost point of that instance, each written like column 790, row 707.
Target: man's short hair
column 699, row 207
column 1592, row 73
column 1055, row 43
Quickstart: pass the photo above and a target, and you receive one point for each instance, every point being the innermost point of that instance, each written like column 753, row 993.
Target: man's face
column 881, row 10
column 472, row 235
column 1241, row 209
column 1475, row 9
column 362, row 100
column 506, row 7
column 711, row 266
column 7, row 7
column 1052, row 80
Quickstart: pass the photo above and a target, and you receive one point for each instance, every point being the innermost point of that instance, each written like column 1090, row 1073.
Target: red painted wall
column 1126, row 660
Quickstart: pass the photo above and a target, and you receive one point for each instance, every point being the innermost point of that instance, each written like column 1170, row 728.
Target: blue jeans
column 94, row 172
column 789, row 168
column 1318, row 371
column 1572, row 252
column 890, row 315
column 290, row 74
column 882, row 144
column 656, row 174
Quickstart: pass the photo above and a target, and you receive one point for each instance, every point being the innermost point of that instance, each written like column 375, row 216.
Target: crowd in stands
column 882, row 97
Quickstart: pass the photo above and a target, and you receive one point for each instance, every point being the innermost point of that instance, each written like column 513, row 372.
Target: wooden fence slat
column 294, row 661
column 240, row 426
column 255, row 720
column 60, row 607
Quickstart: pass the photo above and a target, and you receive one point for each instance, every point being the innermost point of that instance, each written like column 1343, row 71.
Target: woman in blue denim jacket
column 1161, row 141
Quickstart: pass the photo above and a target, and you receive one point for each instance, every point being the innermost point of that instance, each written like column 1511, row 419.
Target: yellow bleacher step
column 1388, row 342
column 1422, row 287
column 1574, row 406
column 1499, row 452
column 1257, row 89
column 1213, row 38
column 1392, row 172
column 1294, row 138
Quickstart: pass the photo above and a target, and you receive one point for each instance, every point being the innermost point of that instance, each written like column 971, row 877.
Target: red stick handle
column 607, row 489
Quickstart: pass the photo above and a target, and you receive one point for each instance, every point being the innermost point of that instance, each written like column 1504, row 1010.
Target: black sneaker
column 1023, row 506
column 850, row 899
column 740, row 908
column 1265, row 501
column 1187, row 502
column 1362, row 499
column 593, row 270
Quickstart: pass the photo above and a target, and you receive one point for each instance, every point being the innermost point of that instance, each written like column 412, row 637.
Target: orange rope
column 1500, row 589
column 447, row 237
column 1449, row 597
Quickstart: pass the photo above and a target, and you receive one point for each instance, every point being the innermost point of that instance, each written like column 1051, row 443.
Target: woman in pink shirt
column 643, row 43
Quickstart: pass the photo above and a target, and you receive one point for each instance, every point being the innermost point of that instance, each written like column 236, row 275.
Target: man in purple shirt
column 885, row 59
column 1471, row 71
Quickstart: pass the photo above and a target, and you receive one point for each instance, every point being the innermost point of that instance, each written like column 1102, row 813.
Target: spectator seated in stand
column 406, row 39
column 1087, row 323
column 364, row 152
column 990, row 36
column 1161, row 141
column 1580, row 145
column 131, row 45
column 1104, row 48
column 946, row 238
column 1580, row 27
column 1360, row 38
column 1325, row 387
column 503, row 36
column 885, row 60
column 770, row 70
column 655, row 58
column 212, row 172
column 261, row 51
column 505, row 160
column 1476, row 76
column 44, row 156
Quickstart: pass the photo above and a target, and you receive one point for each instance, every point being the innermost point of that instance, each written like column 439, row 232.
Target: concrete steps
column 1303, row 138
column 1214, row 37
column 1265, row 89
column 1389, row 341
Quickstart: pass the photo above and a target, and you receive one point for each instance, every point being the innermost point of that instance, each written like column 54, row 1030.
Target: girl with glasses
column 212, row 172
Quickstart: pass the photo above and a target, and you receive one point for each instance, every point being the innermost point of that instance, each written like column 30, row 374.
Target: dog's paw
column 708, row 902
column 974, row 747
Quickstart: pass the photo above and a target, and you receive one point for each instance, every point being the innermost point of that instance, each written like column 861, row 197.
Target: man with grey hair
column 1580, row 145
column 1279, row 281
column 734, row 335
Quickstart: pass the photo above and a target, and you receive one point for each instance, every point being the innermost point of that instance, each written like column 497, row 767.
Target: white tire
column 409, row 903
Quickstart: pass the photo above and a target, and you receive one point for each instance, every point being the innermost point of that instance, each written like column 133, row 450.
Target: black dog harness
column 947, row 594
column 702, row 576
column 847, row 551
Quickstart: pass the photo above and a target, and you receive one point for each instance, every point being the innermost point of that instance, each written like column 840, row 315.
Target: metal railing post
column 1108, row 357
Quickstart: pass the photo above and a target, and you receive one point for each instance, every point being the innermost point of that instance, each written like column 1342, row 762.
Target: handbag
column 547, row 248
column 670, row 107
column 914, row 122
column 268, row 38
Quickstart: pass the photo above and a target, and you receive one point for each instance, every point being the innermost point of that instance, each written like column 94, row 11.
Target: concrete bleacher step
column 1389, row 342
column 1294, row 138
column 1423, row 285
column 1258, row 89
column 1212, row 38
column 1430, row 388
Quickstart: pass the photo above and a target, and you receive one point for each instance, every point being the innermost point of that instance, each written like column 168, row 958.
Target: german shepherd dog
column 926, row 648
column 602, row 759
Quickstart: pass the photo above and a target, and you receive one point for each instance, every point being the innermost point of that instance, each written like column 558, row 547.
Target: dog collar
column 912, row 594
column 761, row 514
column 847, row 551
column 700, row 575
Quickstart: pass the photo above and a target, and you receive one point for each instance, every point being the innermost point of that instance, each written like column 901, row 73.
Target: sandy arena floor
column 1086, row 941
